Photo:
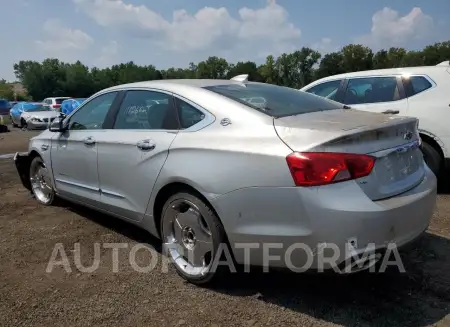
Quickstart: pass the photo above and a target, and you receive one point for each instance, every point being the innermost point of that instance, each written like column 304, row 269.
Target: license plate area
column 400, row 164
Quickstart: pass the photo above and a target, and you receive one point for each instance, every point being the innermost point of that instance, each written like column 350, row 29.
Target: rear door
column 381, row 94
column 133, row 150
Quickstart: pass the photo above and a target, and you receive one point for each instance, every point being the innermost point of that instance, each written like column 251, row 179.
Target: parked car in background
column 4, row 114
column 32, row 115
column 421, row 92
column 54, row 103
column 69, row 105
column 203, row 168
column 13, row 103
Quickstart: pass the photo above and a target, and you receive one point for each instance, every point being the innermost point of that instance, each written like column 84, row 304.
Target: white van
column 421, row 92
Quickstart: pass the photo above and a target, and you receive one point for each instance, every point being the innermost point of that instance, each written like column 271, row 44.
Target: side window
column 417, row 84
column 146, row 110
column 371, row 90
column 189, row 115
column 327, row 89
column 92, row 115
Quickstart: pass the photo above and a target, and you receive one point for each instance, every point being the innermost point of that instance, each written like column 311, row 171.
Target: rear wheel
column 432, row 158
column 192, row 233
column 41, row 185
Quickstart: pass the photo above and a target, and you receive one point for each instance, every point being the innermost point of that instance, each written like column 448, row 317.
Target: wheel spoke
column 197, row 254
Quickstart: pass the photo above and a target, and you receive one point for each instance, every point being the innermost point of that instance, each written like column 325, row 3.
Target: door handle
column 145, row 145
column 391, row 112
column 89, row 141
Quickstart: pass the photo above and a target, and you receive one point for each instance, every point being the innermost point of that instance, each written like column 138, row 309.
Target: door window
column 92, row 115
column 371, row 90
column 327, row 90
column 189, row 115
column 146, row 110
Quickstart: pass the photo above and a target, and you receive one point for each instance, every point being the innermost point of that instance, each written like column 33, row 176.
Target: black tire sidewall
column 217, row 233
column 432, row 158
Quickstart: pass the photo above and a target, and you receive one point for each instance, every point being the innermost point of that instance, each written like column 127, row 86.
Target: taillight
column 321, row 168
column 55, row 106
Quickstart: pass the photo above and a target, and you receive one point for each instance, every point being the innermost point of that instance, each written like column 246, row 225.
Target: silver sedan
column 199, row 166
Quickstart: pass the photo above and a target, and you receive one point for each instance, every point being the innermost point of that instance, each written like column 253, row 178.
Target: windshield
column 276, row 101
column 35, row 107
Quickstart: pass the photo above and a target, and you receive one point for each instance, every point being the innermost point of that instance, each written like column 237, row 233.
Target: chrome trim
column 95, row 189
column 111, row 193
column 398, row 149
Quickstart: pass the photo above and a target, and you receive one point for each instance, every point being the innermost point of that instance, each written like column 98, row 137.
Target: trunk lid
column 394, row 141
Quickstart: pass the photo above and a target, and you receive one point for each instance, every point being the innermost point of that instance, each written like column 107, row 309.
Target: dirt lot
column 30, row 297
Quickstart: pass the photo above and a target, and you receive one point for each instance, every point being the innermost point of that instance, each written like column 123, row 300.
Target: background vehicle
column 4, row 115
column 420, row 92
column 54, row 103
column 69, row 105
column 203, row 167
column 31, row 115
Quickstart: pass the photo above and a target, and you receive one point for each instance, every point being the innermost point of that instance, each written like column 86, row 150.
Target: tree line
column 56, row 78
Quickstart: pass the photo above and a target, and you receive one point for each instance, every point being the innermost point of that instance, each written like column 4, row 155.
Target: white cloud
column 108, row 54
column 391, row 29
column 263, row 29
column 62, row 41
column 325, row 45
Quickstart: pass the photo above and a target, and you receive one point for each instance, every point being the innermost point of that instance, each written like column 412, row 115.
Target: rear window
column 275, row 101
column 60, row 100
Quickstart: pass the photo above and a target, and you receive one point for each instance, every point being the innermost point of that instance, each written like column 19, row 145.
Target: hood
column 40, row 114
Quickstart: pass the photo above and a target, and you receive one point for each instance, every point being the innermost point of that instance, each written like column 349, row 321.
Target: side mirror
column 57, row 125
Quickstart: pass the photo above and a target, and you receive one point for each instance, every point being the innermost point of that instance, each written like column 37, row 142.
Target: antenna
column 240, row 78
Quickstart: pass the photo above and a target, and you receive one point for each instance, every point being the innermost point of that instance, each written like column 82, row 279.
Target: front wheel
column 12, row 122
column 41, row 184
column 193, row 236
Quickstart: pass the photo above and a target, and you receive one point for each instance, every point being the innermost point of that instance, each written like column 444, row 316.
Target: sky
column 172, row 33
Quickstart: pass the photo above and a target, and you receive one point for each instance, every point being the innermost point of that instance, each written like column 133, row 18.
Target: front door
column 131, row 155
column 74, row 152
column 381, row 94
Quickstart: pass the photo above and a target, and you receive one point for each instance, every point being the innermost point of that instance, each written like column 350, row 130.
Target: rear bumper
column 322, row 220
column 22, row 162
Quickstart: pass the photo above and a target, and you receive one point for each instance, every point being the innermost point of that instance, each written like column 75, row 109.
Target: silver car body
column 235, row 157
column 39, row 119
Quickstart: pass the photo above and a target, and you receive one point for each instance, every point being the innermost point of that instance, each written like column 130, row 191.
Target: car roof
column 173, row 84
column 386, row 71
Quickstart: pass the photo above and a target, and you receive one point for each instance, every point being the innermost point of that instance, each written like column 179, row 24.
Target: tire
column 12, row 122
column 432, row 158
column 23, row 125
column 186, row 219
column 41, row 184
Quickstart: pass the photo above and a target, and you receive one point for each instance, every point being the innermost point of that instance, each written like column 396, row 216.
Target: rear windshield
column 275, row 101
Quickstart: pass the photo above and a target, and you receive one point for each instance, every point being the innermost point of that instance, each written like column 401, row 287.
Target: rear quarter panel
column 221, row 159
column 432, row 108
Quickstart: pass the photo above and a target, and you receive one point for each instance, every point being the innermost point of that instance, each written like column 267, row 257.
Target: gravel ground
column 29, row 296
